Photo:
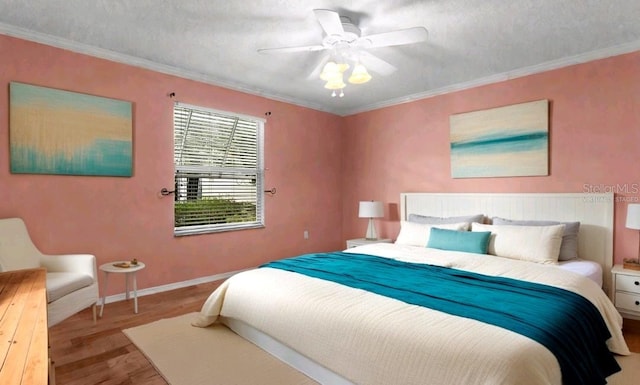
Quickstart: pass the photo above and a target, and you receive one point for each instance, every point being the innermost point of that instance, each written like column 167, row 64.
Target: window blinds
column 218, row 170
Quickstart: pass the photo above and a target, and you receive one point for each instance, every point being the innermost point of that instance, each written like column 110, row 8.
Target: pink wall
column 321, row 164
column 594, row 140
column 122, row 218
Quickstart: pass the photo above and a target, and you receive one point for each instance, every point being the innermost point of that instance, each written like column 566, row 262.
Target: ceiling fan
column 345, row 46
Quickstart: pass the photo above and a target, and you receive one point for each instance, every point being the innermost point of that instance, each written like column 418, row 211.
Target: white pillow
column 417, row 234
column 529, row 243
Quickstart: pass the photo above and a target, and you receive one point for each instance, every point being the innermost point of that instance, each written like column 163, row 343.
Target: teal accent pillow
column 467, row 241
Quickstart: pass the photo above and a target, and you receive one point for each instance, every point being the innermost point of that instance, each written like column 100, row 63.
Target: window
column 218, row 170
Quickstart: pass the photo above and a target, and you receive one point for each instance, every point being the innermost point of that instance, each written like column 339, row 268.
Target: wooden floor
column 87, row 354
column 631, row 331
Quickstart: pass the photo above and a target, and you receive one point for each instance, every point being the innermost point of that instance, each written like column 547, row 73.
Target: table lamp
column 373, row 209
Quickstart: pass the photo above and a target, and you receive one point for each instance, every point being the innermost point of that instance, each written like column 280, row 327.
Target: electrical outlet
column 306, row 234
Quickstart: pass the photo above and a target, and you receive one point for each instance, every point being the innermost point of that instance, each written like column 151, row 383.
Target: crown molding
column 101, row 53
column 526, row 71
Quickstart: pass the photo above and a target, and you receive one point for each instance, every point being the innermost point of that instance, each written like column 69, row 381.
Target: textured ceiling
column 470, row 42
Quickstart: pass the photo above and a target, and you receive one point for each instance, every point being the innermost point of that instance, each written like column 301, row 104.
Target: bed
column 338, row 333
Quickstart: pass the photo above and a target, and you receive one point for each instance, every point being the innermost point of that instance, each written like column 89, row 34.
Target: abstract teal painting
column 67, row 133
column 501, row 142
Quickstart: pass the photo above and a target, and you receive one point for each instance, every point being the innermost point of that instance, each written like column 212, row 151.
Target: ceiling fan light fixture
column 329, row 71
column 342, row 67
column 360, row 75
column 333, row 70
column 335, row 84
column 345, row 43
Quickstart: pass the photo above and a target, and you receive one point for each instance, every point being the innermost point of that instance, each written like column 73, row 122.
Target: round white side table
column 129, row 272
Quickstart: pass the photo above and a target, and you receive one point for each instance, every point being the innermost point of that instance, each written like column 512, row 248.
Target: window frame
column 202, row 169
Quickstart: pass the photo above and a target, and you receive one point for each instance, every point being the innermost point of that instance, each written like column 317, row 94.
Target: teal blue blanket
column 564, row 322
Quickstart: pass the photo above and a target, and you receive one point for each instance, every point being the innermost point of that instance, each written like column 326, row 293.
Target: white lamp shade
column 335, row 83
column 371, row 209
column 633, row 216
column 343, row 66
column 331, row 70
column 359, row 75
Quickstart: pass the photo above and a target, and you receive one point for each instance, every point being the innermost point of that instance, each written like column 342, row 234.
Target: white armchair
column 72, row 279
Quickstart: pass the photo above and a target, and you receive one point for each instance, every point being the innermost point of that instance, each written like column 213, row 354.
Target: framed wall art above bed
column 501, row 142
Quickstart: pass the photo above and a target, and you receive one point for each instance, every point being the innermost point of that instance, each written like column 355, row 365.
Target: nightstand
column 363, row 241
column 626, row 291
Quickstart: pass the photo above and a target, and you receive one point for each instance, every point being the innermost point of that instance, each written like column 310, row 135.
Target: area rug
column 187, row 355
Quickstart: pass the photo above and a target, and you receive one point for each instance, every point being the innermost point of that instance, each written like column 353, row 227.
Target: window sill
column 197, row 230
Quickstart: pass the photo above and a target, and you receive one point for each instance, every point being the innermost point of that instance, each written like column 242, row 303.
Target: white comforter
column 371, row 339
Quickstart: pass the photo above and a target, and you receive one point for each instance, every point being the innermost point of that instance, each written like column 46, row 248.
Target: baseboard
column 172, row 286
column 625, row 315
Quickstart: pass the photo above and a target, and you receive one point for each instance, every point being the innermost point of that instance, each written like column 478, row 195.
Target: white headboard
column 593, row 211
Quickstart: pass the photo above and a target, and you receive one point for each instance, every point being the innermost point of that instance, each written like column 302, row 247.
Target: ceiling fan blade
column 400, row 37
column 376, row 64
column 308, row 48
column 330, row 21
